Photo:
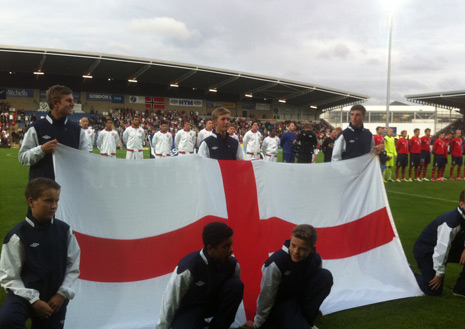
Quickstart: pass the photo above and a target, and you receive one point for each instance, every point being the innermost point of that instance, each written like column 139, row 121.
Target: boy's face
column 356, row 118
column 223, row 251
column 44, row 207
column 65, row 106
column 299, row 249
column 222, row 123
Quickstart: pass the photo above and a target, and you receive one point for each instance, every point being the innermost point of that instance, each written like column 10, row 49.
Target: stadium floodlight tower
column 388, row 96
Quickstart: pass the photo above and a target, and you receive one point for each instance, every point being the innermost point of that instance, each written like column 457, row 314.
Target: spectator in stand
column 415, row 150
column 270, row 147
column 456, row 150
column 90, row 133
column 425, row 156
column 402, row 155
column 108, row 140
column 390, row 146
column 43, row 135
column 252, row 142
column 439, row 147
column 287, row 140
column 185, row 140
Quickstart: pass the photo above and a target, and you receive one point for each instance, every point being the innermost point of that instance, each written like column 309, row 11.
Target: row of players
column 420, row 150
column 185, row 140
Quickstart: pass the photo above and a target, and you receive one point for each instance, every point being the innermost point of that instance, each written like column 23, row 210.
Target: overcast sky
column 334, row 43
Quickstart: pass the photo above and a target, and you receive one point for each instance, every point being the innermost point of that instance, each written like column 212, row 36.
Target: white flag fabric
column 134, row 221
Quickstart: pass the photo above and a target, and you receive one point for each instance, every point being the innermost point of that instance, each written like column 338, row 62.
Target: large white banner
column 134, row 221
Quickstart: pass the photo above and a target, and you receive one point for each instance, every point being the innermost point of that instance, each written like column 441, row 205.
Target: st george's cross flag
column 134, row 221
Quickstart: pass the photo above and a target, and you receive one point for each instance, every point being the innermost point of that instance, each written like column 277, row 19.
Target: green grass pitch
column 413, row 206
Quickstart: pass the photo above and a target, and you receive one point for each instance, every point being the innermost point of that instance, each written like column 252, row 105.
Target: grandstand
column 104, row 81
column 402, row 117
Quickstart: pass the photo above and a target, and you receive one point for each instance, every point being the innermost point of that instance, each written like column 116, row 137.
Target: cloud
column 163, row 27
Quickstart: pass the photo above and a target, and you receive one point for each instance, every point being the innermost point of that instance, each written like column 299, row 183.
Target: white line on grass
column 422, row 196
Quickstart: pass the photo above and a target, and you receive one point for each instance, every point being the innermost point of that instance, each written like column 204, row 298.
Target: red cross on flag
column 134, row 221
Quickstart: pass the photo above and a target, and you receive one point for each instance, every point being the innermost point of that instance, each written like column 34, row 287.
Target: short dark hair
column 427, row 130
column 214, row 233
column 305, row 232
column 358, row 107
column 378, row 128
column 462, row 196
column 55, row 93
column 38, row 186
column 416, row 129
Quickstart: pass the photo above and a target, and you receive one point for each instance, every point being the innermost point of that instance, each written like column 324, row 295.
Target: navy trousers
column 16, row 310
column 223, row 310
column 425, row 264
column 300, row 312
column 288, row 157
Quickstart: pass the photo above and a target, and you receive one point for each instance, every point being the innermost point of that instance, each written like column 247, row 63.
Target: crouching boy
column 39, row 263
column 206, row 283
column 294, row 284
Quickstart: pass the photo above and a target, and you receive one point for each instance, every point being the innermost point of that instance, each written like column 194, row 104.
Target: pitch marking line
column 423, row 197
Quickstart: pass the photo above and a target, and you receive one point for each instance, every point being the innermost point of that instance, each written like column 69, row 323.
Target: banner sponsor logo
column 105, row 98
column 262, row 107
column 136, row 99
column 117, row 99
column 20, row 92
column 186, row 102
column 76, row 95
column 225, row 105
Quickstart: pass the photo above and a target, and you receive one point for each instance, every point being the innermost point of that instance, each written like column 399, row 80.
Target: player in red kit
column 446, row 140
column 438, row 164
column 455, row 146
column 425, row 156
column 402, row 155
column 379, row 138
column 415, row 150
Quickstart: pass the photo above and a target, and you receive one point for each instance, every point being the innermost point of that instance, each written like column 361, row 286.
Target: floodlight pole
column 388, row 96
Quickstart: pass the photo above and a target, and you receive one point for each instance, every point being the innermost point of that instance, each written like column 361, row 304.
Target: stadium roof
column 449, row 100
column 111, row 73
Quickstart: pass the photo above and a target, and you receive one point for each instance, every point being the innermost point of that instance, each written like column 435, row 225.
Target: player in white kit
column 185, row 139
column 270, row 146
column 107, row 140
column 252, row 141
column 204, row 133
column 232, row 133
column 133, row 138
column 90, row 133
column 162, row 142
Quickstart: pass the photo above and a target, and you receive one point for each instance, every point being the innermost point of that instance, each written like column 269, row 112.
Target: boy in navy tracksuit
column 294, row 284
column 441, row 242
column 205, row 284
column 39, row 263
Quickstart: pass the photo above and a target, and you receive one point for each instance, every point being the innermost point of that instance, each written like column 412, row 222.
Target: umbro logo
column 199, row 283
column 214, row 147
column 46, row 137
column 352, row 141
column 33, row 245
column 287, row 272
